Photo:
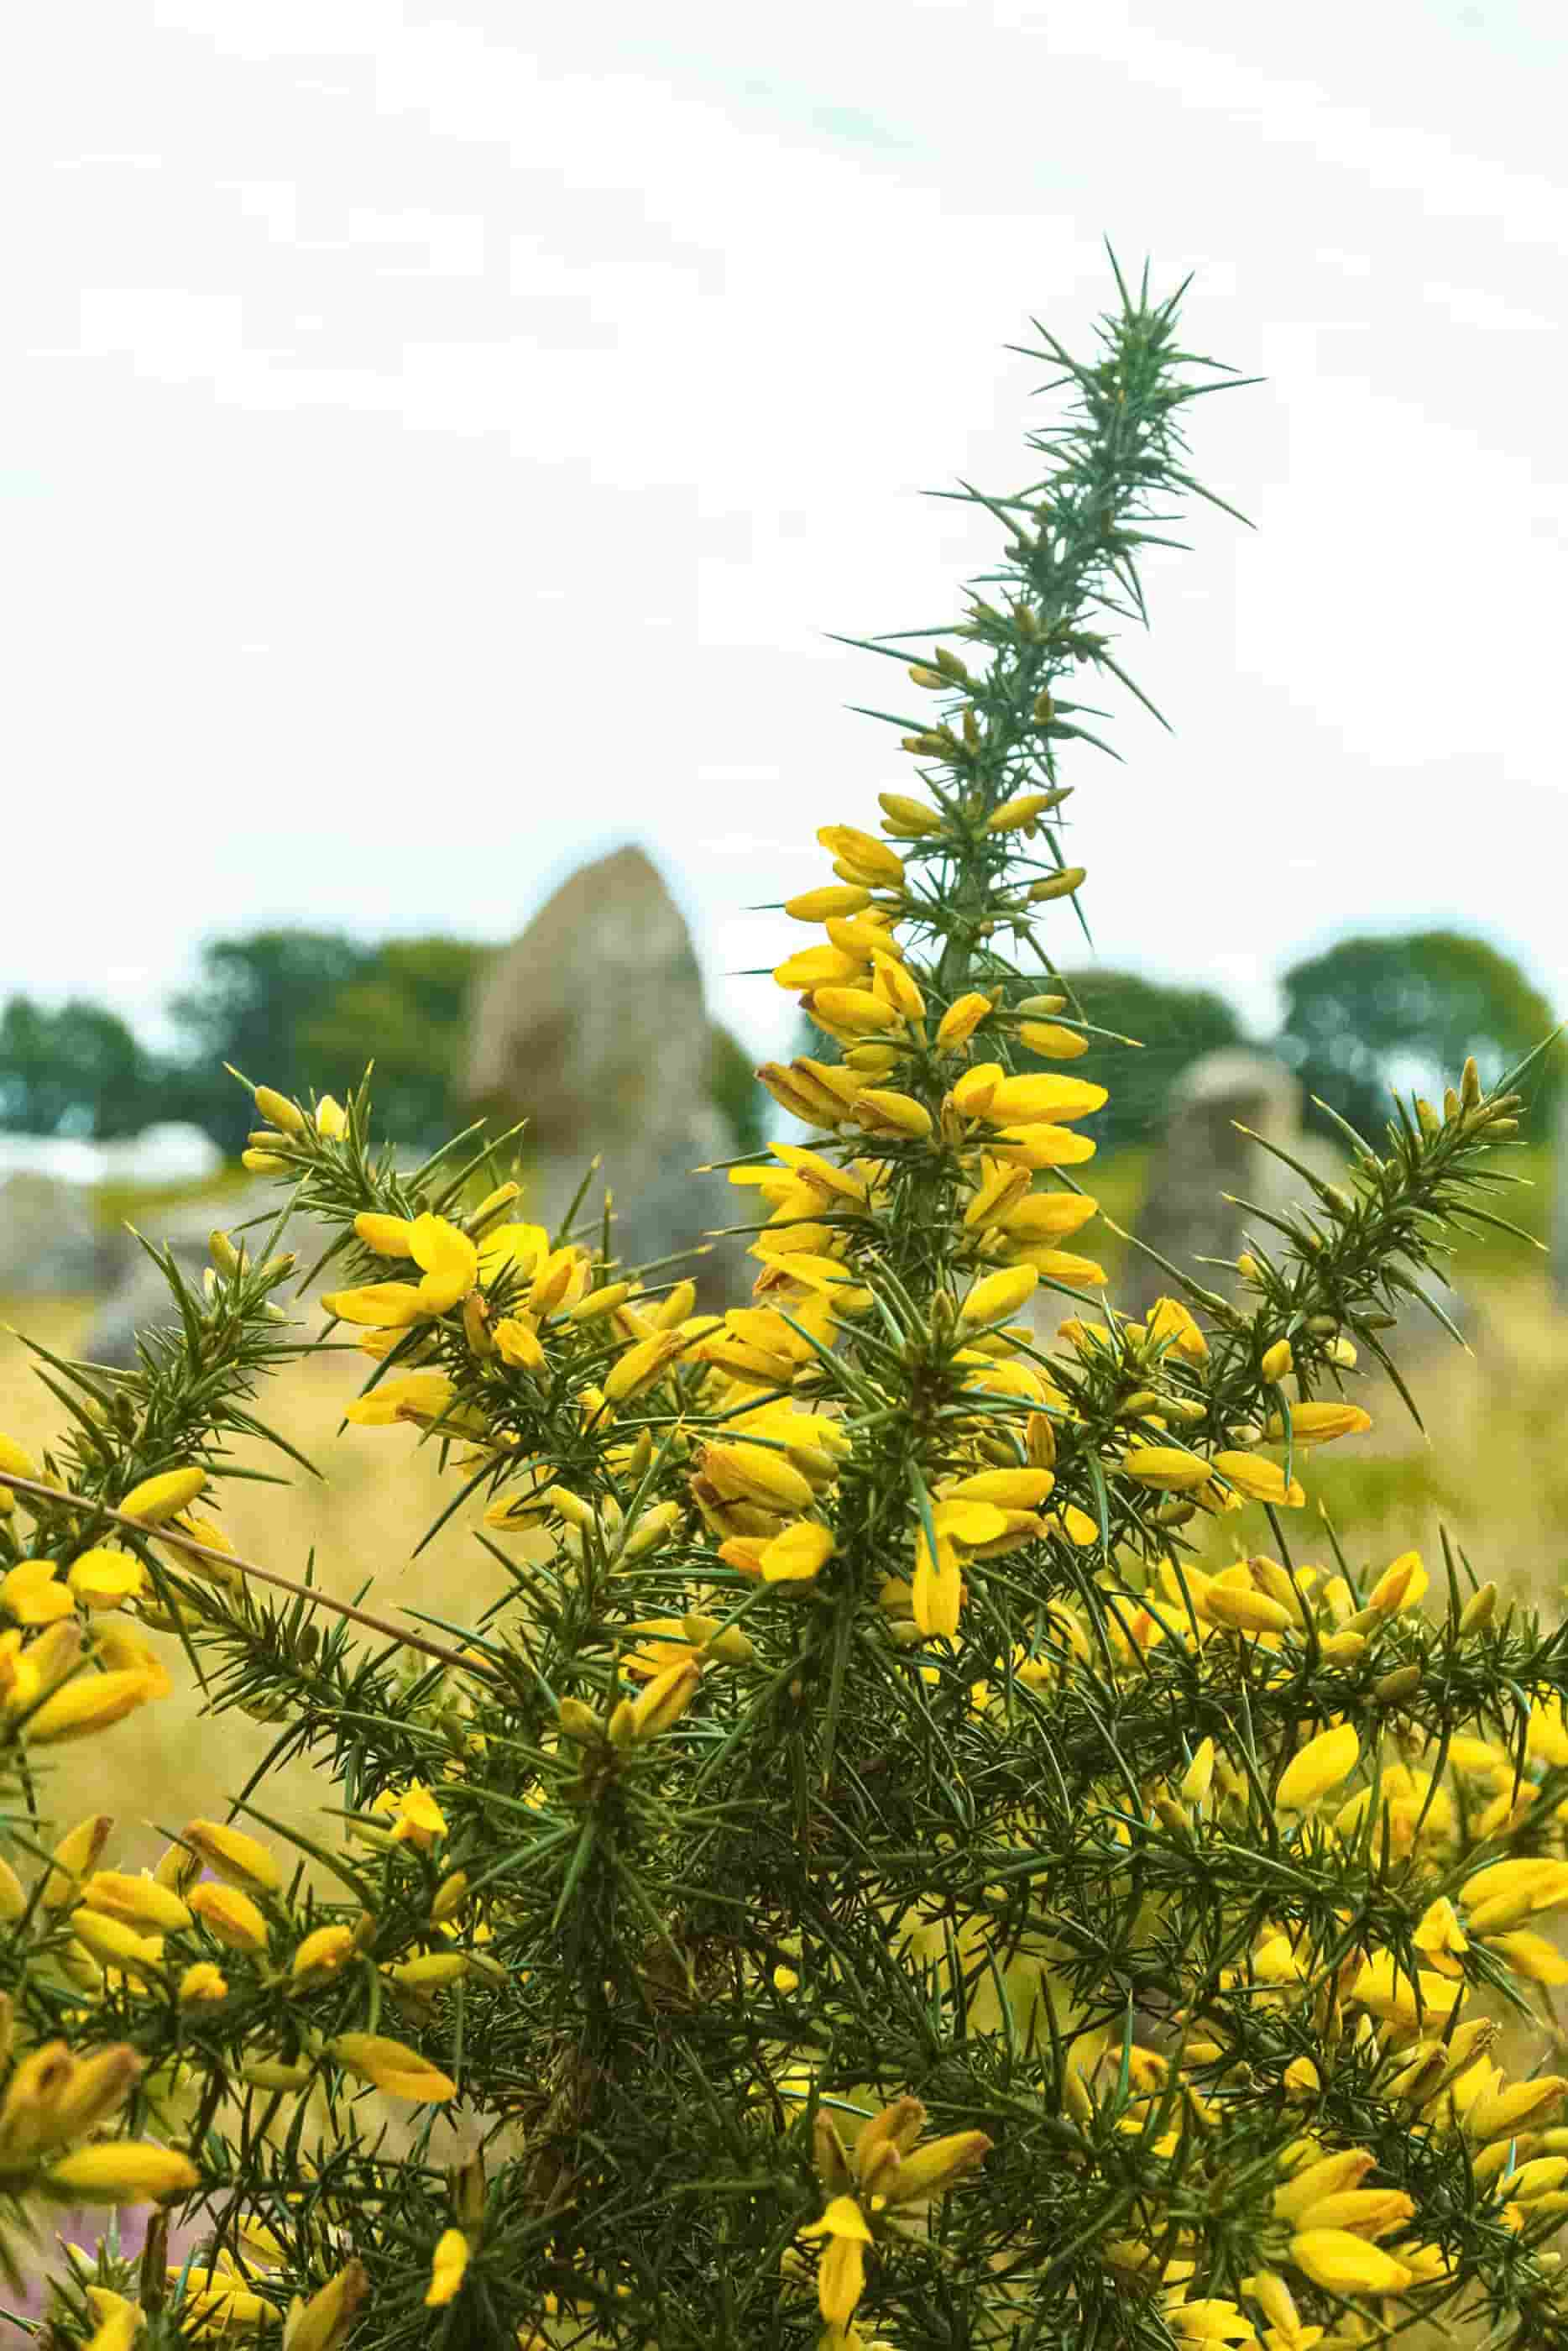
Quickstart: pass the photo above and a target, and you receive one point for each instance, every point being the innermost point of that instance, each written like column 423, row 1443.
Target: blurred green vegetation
column 305, row 1008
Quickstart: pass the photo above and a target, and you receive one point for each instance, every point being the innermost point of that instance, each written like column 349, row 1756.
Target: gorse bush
column 861, row 1879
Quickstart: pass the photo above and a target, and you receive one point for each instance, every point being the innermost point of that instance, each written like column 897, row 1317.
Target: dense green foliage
column 1373, row 1015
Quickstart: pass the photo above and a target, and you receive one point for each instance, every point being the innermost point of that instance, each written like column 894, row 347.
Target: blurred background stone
column 593, row 1028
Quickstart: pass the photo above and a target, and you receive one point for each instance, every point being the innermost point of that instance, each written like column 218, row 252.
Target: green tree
column 257, row 1002
column 1172, row 1026
column 1375, row 1013
column 406, row 1009
column 732, row 1084
column 78, row 1071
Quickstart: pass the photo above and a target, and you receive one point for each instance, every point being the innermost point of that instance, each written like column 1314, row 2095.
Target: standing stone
column 1201, row 1157
column 51, row 1244
column 592, row 1027
column 142, row 1301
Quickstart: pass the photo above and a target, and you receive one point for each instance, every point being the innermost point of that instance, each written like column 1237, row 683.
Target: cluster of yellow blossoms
column 870, row 1723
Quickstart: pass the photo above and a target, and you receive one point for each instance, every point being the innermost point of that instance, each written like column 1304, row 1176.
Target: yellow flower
column 202, row 1981
column 124, row 2171
column 997, row 1295
column 138, row 1901
column 240, row 1860
column 380, row 1305
column 841, row 2275
column 90, row 1703
column 326, row 2320
column 1169, row 1321
column 420, row 1396
column 1343, row 2264
column 419, row 1818
column 160, row 1497
column 1318, row 1424
column 278, row 1111
column 331, row 1119
column 231, row 1916
column 387, row 1236
column 219, row 2302
column 660, row 1706
column 450, row 1261
column 105, row 1579
column 1166, row 1468
column 321, row 1954
column 1506, row 1892
column 1383, row 1988
column 818, row 905
column 447, row 2269
column 961, row 1018
column 860, row 858
column 1260, row 1482
column 392, row 2066
column 1242, row 1608
column 644, row 1365
column 1043, row 1097
column 118, row 2329
column 937, row 1588
column 75, row 1855
column 1531, row 1956
column 886, row 1112
column 1319, row 1766
column 31, row 1594
column 1052, row 1040
column 1363, row 2211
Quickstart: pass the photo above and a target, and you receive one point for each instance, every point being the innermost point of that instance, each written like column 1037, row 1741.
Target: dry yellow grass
column 1493, row 1470
column 379, row 1493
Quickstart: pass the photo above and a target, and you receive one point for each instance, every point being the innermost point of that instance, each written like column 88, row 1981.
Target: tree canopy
column 1173, row 1025
column 75, row 1071
column 1371, row 1014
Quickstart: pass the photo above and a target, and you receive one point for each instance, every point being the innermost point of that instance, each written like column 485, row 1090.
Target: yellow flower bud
column 447, row 2268
column 103, row 1579
column 273, row 2074
column 73, row 1857
column 1317, row 1424
column 886, row 1112
column 202, row 1981
column 997, row 1295
column 392, row 2066
column 279, row 1112
column 1055, row 1042
column 90, row 1704
column 138, row 1901
column 837, row 900
column 1343, row 2264
column 1322, row 1764
column 321, row 1954
column 1260, row 1482
column 231, row 1916
column 1166, row 1468
column 1276, row 1363
column 326, row 2320
column 238, row 1859
column 1064, row 885
column 163, row 1497
column 124, row 2171
column 1242, row 1609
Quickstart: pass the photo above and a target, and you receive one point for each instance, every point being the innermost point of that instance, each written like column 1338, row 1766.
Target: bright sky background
column 437, row 438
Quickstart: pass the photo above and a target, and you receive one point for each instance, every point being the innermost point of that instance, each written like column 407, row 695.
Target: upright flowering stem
column 910, row 1844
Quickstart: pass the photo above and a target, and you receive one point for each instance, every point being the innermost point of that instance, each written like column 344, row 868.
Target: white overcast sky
column 437, row 439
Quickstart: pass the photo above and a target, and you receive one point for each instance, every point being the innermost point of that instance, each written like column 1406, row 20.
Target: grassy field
column 360, row 1519
column 1492, row 1469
